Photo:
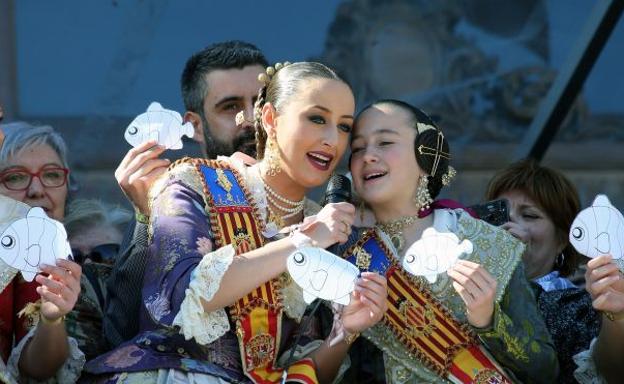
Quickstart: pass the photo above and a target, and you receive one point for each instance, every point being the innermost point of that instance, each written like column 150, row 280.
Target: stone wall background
column 481, row 66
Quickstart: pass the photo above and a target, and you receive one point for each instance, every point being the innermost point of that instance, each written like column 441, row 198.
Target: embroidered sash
column 258, row 315
column 421, row 323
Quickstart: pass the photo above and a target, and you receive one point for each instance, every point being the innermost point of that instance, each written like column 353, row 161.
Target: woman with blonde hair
column 217, row 304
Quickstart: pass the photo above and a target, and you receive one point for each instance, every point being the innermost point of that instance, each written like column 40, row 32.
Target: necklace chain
column 395, row 229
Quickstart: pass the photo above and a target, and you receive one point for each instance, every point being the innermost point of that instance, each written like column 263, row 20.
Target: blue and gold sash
column 258, row 315
column 421, row 323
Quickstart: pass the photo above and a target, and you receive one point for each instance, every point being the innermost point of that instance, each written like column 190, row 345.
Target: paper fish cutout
column 321, row 274
column 434, row 253
column 163, row 125
column 599, row 230
column 34, row 240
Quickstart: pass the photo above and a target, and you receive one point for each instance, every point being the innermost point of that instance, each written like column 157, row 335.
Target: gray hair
column 20, row 135
column 84, row 214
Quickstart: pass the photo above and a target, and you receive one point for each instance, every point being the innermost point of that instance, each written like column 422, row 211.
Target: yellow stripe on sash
column 426, row 328
column 258, row 315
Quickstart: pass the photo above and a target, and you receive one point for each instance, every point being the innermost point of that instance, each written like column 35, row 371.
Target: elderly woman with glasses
column 34, row 342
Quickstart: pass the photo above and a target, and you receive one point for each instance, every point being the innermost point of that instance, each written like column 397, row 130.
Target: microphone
column 338, row 189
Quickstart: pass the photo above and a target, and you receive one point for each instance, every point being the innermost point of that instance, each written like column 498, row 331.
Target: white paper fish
column 599, row 230
column 322, row 274
column 36, row 239
column 162, row 125
column 434, row 253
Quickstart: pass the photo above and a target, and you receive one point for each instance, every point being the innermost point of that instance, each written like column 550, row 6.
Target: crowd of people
column 194, row 287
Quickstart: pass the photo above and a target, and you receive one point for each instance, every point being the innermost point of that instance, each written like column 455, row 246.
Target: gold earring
column 423, row 198
column 271, row 157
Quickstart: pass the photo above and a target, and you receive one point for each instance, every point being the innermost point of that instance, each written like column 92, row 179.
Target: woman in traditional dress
column 217, row 303
column 472, row 319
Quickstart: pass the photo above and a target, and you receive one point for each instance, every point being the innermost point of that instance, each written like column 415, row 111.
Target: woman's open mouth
column 320, row 160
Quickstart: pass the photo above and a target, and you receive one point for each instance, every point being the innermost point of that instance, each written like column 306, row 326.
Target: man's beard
column 213, row 147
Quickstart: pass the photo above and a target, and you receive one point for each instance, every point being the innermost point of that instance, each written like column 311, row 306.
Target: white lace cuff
column 68, row 373
column 205, row 281
column 586, row 373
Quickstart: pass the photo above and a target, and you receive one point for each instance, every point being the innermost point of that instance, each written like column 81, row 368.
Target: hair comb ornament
column 448, row 176
column 266, row 77
column 436, row 152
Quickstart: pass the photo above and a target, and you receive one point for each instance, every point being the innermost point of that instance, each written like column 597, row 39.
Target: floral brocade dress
column 517, row 338
column 178, row 341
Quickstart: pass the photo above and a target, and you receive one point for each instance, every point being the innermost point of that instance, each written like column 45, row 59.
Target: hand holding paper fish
column 368, row 303
column 599, row 230
column 60, row 289
column 159, row 124
column 605, row 284
column 477, row 288
column 27, row 243
column 138, row 170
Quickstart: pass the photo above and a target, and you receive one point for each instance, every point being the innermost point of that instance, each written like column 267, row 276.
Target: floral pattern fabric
column 517, row 338
column 175, row 332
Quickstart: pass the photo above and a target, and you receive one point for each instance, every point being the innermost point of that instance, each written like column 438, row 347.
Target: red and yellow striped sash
column 422, row 324
column 258, row 315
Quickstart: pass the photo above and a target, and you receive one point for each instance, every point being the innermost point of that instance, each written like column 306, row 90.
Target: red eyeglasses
column 20, row 179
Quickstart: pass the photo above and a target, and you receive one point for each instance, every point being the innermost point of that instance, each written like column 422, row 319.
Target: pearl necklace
column 395, row 229
column 291, row 208
column 282, row 198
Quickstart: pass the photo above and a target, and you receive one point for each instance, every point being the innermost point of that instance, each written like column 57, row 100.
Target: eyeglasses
column 20, row 179
column 103, row 254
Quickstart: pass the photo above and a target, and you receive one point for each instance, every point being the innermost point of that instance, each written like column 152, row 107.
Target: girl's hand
column 368, row 303
column 477, row 288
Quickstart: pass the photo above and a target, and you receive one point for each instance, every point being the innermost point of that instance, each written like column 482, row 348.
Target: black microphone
column 338, row 189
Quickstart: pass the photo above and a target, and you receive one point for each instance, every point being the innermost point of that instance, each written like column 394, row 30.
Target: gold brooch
column 224, row 183
column 362, row 258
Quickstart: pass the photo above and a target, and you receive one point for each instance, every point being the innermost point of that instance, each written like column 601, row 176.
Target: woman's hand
column 330, row 226
column 518, row 231
column 477, row 288
column 605, row 284
column 60, row 289
column 368, row 303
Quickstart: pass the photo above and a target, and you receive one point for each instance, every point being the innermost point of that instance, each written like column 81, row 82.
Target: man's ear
column 198, row 127
column 269, row 119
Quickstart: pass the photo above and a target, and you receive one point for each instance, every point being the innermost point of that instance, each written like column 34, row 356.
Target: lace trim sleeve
column 205, row 281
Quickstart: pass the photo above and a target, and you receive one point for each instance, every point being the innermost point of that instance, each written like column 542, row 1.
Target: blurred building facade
column 481, row 67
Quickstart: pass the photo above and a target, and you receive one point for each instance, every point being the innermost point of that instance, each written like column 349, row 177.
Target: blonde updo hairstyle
column 281, row 83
